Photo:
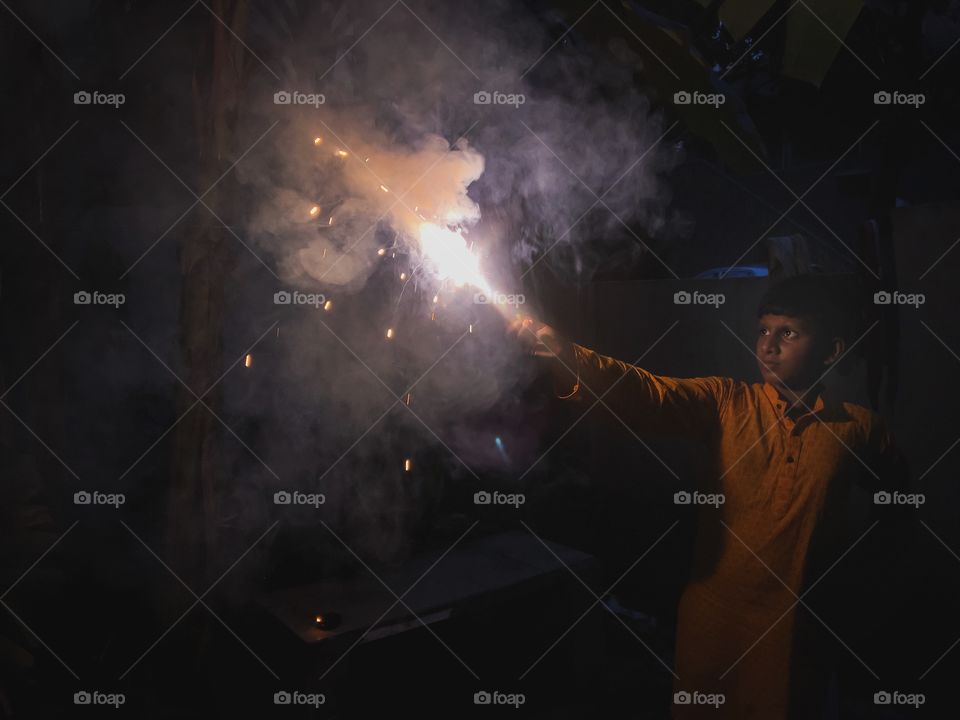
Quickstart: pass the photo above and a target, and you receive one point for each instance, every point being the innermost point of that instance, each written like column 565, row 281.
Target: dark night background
column 196, row 597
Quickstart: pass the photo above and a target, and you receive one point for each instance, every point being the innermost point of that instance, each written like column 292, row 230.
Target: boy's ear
column 835, row 350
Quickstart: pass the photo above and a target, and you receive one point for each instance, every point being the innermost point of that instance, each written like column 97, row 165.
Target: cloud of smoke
column 466, row 117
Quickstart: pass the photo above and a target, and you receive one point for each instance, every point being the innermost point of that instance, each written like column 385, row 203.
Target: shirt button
column 789, row 458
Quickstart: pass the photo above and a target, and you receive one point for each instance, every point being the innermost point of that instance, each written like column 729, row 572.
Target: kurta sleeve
column 650, row 404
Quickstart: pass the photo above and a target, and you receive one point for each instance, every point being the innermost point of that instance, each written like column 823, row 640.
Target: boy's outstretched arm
column 648, row 403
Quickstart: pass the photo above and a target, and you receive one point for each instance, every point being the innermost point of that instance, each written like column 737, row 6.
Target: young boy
column 784, row 454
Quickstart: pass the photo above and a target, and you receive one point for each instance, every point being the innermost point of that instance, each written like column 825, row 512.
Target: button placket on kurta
column 786, row 490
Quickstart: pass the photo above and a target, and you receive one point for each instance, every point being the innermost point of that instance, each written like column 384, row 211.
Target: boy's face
column 790, row 354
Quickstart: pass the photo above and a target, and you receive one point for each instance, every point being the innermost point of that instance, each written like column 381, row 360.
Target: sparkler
column 435, row 230
column 447, row 251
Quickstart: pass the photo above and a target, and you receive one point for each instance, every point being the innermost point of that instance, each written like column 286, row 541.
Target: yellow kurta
column 785, row 482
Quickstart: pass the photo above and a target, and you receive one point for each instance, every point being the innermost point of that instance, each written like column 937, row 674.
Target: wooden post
column 205, row 254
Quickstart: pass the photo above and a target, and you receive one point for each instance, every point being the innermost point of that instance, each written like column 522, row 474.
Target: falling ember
column 327, row 621
column 385, row 188
column 403, row 276
column 381, row 252
column 389, row 333
column 341, row 153
column 407, row 399
column 470, row 329
column 330, row 221
column 314, row 211
column 433, row 316
column 318, row 141
column 327, row 305
column 436, row 299
column 248, row 360
column 407, row 465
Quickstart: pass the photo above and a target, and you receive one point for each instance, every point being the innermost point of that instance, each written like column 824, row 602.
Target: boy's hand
column 542, row 341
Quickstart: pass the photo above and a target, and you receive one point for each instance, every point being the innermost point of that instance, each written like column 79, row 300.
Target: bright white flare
column 452, row 260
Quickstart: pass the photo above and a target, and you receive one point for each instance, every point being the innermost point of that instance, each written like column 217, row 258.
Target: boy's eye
column 789, row 333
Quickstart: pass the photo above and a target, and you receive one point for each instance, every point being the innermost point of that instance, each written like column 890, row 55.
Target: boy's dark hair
column 820, row 298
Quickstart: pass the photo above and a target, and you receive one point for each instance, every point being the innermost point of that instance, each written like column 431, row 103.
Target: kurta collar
column 822, row 405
